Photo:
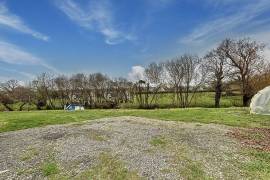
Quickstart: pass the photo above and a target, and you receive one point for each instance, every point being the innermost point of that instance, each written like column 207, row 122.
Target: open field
column 200, row 99
column 129, row 148
column 240, row 117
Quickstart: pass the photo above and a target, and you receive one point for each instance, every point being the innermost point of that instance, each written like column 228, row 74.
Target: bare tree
column 100, row 84
column 6, row 101
column 139, row 91
column 245, row 57
column 154, row 80
column 217, row 67
column 78, row 86
column 193, row 79
column 7, row 95
column 186, row 74
column 120, row 90
column 261, row 80
column 23, row 95
column 175, row 74
column 63, row 89
column 44, row 88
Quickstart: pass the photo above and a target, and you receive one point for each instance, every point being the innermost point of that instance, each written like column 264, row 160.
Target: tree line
column 239, row 61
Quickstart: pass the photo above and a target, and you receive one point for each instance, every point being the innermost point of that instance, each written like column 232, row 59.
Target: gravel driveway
column 150, row 148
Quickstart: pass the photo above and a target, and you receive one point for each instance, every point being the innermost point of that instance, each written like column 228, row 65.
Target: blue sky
column 117, row 37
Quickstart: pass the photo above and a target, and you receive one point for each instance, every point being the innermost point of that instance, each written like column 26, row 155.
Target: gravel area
column 153, row 149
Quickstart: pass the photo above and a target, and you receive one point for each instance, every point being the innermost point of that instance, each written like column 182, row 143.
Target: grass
column 188, row 169
column 258, row 167
column 109, row 167
column 193, row 170
column 158, row 141
column 240, row 117
column 201, row 99
column 49, row 168
column 29, row 154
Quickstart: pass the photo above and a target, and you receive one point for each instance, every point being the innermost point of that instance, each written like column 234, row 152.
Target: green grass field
column 200, row 99
column 240, row 117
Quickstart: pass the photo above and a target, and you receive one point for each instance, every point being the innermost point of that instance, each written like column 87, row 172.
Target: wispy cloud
column 21, row 73
column 96, row 17
column 227, row 24
column 12, row 54
column 15, row 22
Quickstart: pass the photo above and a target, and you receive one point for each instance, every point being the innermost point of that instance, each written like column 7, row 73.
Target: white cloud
column 137, row 73
column 97, row 17
column 15, row 22
column 12, row 54
column 228, row 23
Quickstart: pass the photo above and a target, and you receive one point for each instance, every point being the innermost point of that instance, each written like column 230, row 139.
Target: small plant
column 49, row 168
column 158, row 141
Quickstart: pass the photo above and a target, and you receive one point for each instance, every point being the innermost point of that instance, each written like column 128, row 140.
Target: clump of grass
column 109, row 167
column 193, row 170
column 158, row 141
column 259, row 165
column 49, row 168
column 29, row 154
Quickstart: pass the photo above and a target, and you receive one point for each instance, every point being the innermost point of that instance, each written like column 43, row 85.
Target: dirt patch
column 138, row 147
column 257, row 138
column 53, row 136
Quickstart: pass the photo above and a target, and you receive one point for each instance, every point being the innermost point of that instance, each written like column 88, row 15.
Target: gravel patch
column 76, row 148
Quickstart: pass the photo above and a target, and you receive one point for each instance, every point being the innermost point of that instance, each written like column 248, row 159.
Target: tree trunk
column 246, row 92
column 246, row 99
column 218, row 94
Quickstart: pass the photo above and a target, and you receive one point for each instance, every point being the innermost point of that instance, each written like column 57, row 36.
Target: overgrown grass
column 11, row 121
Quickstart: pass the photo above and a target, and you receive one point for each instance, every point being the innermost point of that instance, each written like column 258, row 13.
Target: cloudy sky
column 117, row 37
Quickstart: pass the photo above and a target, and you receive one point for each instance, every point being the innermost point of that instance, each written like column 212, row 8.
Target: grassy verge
column 11, row 121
